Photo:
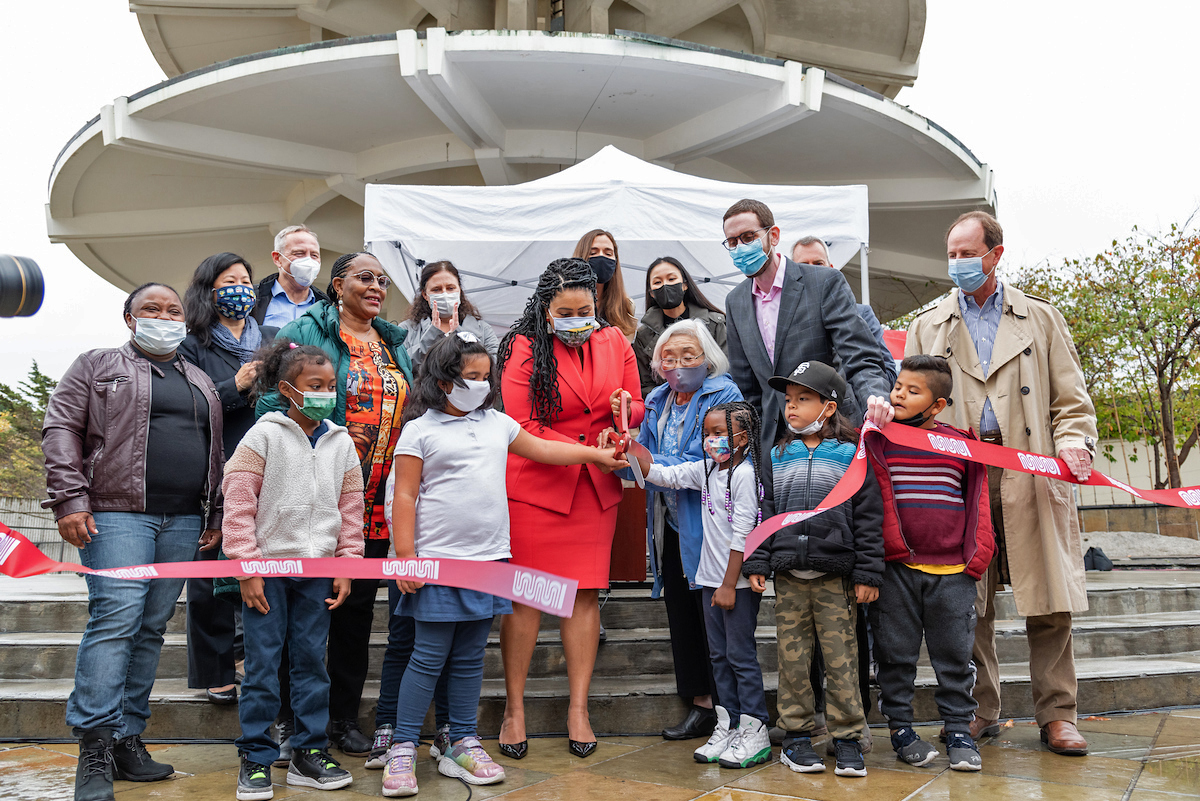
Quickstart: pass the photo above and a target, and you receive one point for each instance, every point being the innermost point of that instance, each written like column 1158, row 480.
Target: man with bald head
column 1017, row 382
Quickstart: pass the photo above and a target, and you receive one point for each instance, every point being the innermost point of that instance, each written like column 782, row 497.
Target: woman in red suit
column 564, row 372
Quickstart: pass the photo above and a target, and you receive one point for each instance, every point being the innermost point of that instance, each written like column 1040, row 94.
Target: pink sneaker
column 399, row 777
column 468, row 761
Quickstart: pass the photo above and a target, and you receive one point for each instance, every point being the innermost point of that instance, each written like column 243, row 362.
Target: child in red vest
column 938, row 541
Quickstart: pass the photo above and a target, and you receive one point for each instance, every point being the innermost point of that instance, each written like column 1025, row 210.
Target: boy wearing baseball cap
column 822, row 567
column 938, row 541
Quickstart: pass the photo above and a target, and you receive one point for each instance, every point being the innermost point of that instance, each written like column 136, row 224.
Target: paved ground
column 1146, row 757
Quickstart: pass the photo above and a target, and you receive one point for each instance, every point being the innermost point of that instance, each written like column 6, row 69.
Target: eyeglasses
column 684, row 361
column 367, row 277
column 743, row 238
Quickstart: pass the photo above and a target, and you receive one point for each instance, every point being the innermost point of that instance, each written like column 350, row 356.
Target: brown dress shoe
column 1061, row 737
column 980, row 728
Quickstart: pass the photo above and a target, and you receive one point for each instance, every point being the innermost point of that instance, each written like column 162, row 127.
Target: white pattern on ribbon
column 145, row 571
column 539, row 589
column 273, row 567
column 7, row 546
column 412, row 568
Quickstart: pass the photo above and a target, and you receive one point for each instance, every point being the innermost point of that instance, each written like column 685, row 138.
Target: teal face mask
column 317, row 405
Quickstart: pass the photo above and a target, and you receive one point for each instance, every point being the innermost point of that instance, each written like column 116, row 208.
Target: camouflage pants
column 820, row 611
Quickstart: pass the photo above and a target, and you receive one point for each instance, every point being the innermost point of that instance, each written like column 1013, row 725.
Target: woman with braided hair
column 373, row 377
column 565, row 371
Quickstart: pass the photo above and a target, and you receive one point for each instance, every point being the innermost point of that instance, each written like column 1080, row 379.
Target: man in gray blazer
column 788, row 313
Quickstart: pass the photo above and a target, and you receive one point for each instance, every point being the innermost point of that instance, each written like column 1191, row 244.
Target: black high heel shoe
column 515, row 750
column 581, row 749
column 223, row 697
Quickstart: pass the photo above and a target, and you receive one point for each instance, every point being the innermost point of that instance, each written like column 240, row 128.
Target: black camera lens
column 21, row 286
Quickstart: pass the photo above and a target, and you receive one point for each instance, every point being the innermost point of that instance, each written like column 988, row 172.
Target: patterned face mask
column 235, row 301
column 718, row 449
column 574, row 331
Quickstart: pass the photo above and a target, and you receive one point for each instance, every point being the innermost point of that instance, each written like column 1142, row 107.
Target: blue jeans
column 300, row 618
column 402, row 634
column 734, row 654
column 457, row 648
column 118, row 655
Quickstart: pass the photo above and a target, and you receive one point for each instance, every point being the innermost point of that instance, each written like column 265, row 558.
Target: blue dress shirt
column 982, row 323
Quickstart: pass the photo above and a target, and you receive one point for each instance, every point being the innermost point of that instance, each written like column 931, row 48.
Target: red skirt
column 576, row 545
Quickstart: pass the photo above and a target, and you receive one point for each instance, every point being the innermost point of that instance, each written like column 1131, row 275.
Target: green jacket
column 320, row 326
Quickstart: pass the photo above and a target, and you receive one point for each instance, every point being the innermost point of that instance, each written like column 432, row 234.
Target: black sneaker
column 849, row 758
column 132, row 762
column 910, row 748
column 348, row 738
column 312, row 767
column 799, row 755
column 94, row 772
column 284, row 729
column 254, row 781
column 963, row 753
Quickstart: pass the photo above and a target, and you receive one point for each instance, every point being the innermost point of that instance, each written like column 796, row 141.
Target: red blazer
column 608, row 363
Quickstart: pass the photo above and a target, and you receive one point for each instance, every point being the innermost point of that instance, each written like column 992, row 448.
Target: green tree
column 22, row 467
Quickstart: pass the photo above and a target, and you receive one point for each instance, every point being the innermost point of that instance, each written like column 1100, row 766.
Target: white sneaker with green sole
column 751, row 746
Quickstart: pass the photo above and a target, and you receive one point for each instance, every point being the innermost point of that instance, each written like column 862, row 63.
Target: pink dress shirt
column 766, row 306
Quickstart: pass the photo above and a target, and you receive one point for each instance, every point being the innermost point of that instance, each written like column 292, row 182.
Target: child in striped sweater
column 938, row 542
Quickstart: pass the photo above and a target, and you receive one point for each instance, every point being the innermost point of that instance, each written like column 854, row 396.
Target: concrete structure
column 221, row 158
column 871, row 42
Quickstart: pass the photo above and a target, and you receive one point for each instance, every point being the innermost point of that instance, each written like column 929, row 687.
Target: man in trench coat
column 1027, row 392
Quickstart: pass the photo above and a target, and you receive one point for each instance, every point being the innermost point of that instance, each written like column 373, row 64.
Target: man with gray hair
column 288, row 293
column 812, row 250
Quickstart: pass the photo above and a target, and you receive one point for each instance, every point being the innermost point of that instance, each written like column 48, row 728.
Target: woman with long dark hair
column 671, row 296
column 564, row 372
column 440, row 308
column 599, row 249
column 222, row 338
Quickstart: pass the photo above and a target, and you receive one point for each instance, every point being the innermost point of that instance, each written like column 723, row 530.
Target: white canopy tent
column 502, row 237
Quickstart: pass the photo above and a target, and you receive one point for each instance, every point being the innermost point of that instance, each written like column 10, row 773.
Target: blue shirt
column 281, row 310
column 321, row 428
column 670, row 444
column 982, row 323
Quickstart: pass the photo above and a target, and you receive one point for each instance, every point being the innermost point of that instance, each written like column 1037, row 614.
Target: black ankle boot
column 94, row 773
column 132, row 762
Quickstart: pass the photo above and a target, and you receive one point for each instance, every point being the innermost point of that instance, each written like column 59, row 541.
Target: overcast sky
column 1087, row 111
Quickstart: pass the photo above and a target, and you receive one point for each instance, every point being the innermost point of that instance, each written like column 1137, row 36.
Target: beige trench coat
column 1037, row 391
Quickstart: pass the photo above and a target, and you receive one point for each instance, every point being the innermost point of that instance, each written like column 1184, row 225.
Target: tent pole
column 866, row 283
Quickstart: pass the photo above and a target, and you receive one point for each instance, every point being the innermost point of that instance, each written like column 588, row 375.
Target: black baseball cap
column 817, row 376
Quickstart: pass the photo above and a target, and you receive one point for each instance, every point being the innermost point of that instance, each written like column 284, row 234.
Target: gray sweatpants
column 942, row 608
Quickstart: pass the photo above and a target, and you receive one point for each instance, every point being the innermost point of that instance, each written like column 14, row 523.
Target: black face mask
column 604, row 267
column 668, row 296
column 919, row 420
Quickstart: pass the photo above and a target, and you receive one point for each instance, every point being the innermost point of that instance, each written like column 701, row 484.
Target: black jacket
column 847, row 540
column 221, row 367
column 263, row 290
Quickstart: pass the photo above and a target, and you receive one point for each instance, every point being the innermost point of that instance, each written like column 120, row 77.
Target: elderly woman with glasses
column 695, row 371
column 373, row 376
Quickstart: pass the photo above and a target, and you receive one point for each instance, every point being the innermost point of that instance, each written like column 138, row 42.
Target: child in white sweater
column 293, row 489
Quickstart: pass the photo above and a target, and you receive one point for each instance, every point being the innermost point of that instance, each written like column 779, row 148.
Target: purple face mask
column 686, row 379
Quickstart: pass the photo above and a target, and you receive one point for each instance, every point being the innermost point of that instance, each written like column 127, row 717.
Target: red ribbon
column 973, row 451
column 545, row 591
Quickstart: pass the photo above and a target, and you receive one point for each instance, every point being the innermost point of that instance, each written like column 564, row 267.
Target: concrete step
column 634, row 704
column 646, row 651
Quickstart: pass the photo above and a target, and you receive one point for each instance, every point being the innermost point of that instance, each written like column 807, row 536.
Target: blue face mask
column 749, row 259
column 968, row 274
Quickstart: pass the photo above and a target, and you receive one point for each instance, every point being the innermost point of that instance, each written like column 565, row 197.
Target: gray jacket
column 422, row 334
column 818, row 318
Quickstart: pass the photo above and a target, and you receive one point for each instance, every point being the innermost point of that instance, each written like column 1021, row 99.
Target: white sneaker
column 716, row 745
column 752, row 746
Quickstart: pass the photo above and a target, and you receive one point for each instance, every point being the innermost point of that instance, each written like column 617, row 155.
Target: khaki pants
column 1051, row 660
column 821, row 611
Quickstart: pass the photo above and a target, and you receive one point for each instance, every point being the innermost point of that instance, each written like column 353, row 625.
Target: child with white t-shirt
column 452, row 455
column 730, row 511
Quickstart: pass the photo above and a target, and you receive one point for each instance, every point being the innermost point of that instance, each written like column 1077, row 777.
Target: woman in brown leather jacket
column 132, row 438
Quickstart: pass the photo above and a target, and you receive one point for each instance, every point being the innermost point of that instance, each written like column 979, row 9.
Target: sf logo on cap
column 803, row 366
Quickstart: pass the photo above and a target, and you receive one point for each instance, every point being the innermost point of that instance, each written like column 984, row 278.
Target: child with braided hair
column 732, row 433
column 823, row 566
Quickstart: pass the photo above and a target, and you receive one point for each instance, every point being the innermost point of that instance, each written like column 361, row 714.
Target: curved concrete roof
column 872, row 42
column 221, row 158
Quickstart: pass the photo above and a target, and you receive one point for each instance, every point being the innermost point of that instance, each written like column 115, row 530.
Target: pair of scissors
column 625, row 444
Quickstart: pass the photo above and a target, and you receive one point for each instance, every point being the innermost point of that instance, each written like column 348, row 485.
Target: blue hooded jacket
column 715, row 390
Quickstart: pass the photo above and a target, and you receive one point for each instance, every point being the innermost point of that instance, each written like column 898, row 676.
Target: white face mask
column 158, row 337
column 470, row 397
column 812, row 428
column 444, row 302
column 304, row 270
